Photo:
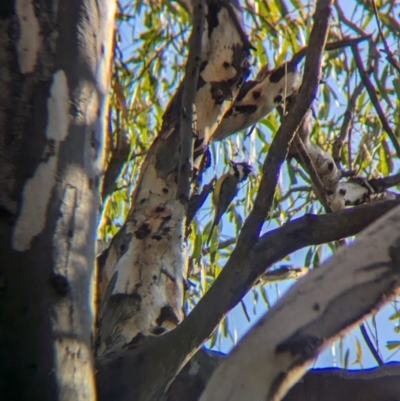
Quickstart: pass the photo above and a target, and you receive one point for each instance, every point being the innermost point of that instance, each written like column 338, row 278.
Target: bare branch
column 349, row 23
column 347, row 124
column 333, row 46
column 374, row 98
column 307, row 162
column 389, row 55
column 380, row 184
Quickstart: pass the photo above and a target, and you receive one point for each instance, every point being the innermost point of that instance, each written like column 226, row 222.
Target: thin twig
column 187, row 121
column 349, row 23
column 374, row 98
column 307, row 162
column 389, row 55
column 221, row 245
column 371, row 347
column 300, row 188
column 331, row 46
column 347, row 124
column 380, row 184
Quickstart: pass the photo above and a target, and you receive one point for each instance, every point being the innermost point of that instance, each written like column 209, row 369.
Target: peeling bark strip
column 54, row 80
column 313, row 313
column 150, row 271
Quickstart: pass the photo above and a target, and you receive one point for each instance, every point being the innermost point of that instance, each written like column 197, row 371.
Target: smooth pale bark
column 54, row 82
column 325, row 303
column 145, row 267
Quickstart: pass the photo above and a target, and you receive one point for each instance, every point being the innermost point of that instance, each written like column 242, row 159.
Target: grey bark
column 54, row 73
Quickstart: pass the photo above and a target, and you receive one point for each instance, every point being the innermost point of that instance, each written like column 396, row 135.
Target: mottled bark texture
column 142, row 278
column 54, row 78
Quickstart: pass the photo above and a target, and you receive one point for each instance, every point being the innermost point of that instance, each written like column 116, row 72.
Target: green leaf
column 392, row 345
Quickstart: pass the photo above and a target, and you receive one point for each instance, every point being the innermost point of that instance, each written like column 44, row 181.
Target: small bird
column 226, row 189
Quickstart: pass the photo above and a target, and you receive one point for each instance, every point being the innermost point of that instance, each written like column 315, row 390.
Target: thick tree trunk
column 54, row 77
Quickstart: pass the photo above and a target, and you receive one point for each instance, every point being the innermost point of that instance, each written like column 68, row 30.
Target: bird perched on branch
column 226, row 189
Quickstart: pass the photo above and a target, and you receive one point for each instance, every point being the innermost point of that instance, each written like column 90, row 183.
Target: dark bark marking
column 304, row 345
column 256, row 94
column 158, row 330
column 330, row 166
column 220, row 91
column 278, row 99
column 203, row 66
column 135, row 341
column 246, row 109
column 201, row 82
column 167, row 314
column 394, row 253
column 143, row 231
column 279, row 73
column 212, row 17
column 156, row 237
column 245, row 89
column 60, row 284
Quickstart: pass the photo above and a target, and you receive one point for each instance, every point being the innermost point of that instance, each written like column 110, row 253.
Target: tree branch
column 188, row 112
column 331, row 384
column 328, row 384
column 324, row 304
column 389, row 55
column 380, row 184
column 347, row 124
column 272, row 247
column 333, row 46
column 307, row 162
column 374, row 98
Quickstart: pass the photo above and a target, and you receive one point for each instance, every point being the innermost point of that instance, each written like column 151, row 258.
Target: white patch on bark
column 37, row 191
column 151, row 268
column 29, row 41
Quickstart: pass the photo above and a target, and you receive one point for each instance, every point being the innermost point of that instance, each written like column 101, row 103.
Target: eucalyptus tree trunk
column 54, row 79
